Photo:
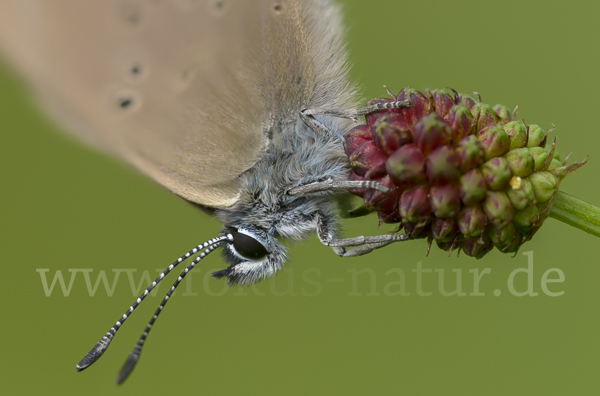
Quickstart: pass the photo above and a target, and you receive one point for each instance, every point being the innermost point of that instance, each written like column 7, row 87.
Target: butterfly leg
column 308, row 115
column 335, row 185
column 330, row 185
column 320, row 129
column 353, row 114
column 359, row 245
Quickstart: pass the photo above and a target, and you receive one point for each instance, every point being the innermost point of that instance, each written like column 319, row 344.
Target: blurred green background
column 319, row 327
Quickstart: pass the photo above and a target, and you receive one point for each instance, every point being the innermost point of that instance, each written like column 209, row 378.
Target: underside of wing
column 159, row 84
column 182, row 89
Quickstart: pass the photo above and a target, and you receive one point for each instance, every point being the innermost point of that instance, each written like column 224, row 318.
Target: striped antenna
column 103, row 344
column 137, row 349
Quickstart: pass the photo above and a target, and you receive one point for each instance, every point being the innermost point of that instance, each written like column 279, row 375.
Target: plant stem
column 577, row 213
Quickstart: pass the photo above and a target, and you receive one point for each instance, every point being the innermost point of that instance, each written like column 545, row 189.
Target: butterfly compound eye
column 248, row 247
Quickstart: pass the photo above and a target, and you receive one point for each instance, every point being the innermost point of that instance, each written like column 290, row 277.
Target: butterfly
column 238, row 106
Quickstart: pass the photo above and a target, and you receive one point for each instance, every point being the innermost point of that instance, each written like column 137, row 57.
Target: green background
column 64, row 206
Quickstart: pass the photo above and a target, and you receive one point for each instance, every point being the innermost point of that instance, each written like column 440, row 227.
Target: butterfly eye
column 248, row 247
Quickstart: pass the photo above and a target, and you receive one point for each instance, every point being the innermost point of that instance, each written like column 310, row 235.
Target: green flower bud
column 441, row 166
column 496, row 173
column 536, row 136
column 470, row 153
column 497, row 208
column 477, row 246
column 494, row 142
column 544, row 184
column 461, row 122
column 471, row 221
column 521, row 194
column 468, row 101
column 539, row 156
column 472, row 187
column 484, row 116
column 555, row 164
column 503, row 113
column 444, row 230
column 521, row 163
column 527, row 218
column 504, row 237
column 517, row 133
column 445, row 200
column 406, row 166
column 415, row 206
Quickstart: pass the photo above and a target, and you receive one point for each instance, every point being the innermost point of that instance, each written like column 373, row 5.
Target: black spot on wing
column 136, row 70
column 127, row 101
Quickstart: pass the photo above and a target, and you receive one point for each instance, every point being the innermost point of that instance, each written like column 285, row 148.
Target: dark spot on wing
column 127, row 101
column 218, row 8
column 131, row 14
column 135, row 71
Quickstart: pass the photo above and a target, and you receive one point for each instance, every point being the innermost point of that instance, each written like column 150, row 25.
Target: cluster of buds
column 463, row 173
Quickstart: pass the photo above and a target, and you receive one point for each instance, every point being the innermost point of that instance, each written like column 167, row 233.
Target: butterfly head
column 252, row 255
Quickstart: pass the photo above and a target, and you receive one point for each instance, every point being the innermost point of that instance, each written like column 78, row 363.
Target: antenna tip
column 95, row 353
column 127, row 367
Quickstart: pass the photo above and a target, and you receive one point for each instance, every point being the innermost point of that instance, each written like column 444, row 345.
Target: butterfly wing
column 185, row 90
column 156, row 83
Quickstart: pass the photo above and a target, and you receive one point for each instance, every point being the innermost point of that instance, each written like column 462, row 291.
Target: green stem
column 577, row 213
